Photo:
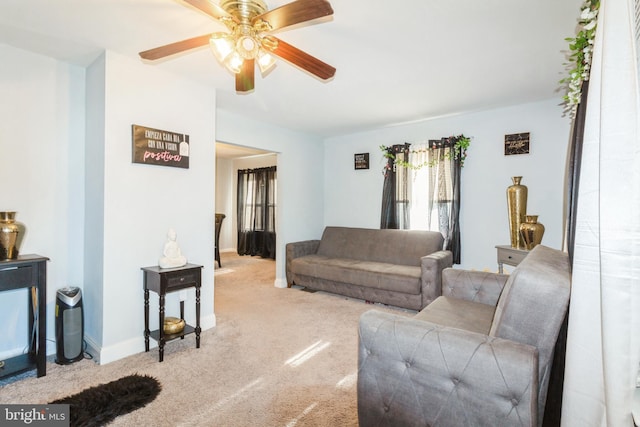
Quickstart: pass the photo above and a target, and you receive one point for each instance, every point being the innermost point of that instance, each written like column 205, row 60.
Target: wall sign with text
column 516, row 143
column 361, row 161
column 160, row 147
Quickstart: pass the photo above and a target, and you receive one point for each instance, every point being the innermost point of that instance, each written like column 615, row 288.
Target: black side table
column 163, row 281
column 28, row 271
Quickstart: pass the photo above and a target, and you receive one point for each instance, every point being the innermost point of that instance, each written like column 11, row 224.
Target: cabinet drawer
column 17, row 277
column 510, row 256
column 182, row 279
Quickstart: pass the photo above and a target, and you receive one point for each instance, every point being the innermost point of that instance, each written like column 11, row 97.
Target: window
column 422, row 188
column 257, row 212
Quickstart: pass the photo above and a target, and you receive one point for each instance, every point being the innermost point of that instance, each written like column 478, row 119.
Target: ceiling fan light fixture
column 232, row 49
column 248, row 40
column 247, row 47
column 234, row 62
column 265, row 61
column 221, row 45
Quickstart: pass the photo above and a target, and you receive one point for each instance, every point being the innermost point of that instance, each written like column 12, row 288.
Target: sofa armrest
column 477, row 286
column 412, row 372
column 431, row 275
column 296, row 250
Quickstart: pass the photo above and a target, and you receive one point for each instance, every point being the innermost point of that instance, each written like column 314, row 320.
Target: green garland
column 459, row 151
column 581, row 54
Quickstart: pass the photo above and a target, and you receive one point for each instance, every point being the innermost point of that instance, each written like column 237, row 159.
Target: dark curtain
column 444, row 192
column 395, row 198
column 573, row 178
column 257, row 212
column 553, row 408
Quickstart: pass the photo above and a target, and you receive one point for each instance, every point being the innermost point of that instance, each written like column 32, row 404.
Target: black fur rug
column 97, row 406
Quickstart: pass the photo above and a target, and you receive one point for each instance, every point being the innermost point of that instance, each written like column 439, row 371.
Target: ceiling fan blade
column 302, row 59
column 245, row 78
column 295, row 13
column 173, row 48
column 211, row 9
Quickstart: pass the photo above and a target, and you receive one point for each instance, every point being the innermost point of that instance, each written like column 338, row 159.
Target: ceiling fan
column 249, row 40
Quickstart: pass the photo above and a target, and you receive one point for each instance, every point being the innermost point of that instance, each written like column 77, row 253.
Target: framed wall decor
column 516, row 143
column 159, row 147
column 361, row 161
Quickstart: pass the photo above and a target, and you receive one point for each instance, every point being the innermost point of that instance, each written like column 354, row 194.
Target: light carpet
column 220, row 271
column 277, row 357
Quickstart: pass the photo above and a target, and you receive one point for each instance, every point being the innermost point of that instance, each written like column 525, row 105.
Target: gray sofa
column 479, row 355
column 398, row 267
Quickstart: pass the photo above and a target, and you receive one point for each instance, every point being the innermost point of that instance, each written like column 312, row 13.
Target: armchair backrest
column 533, row 305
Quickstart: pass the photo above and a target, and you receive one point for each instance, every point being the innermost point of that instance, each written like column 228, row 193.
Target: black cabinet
column 28, row 271
column 163, row 281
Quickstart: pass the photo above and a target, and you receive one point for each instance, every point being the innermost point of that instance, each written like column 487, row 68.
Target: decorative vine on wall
column 581, row 54
column 460, row 145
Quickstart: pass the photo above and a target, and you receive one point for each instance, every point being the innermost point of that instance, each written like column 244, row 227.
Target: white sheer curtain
column 418, row 184
column 428, row 186
column 603, row 342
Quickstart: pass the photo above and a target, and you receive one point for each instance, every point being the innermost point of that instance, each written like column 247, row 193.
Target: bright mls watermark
column 34, row 415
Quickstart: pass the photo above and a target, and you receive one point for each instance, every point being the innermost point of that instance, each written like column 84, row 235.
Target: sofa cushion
column 380, row 275
column 403, row 247
column 458, row 313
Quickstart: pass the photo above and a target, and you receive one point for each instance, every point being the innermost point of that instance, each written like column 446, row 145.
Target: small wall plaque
column 361, row 161
column 160, row 147
column 516, row 143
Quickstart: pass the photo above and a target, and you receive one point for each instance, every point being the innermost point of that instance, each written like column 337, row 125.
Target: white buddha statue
column 172, row 255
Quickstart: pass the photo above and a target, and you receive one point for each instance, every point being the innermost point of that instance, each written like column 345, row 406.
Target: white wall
column 141, row 202
column 353, row 197
column 41, row 148
column 99, row 236
column 94, row 209
column 300, row 178
column 224, row 202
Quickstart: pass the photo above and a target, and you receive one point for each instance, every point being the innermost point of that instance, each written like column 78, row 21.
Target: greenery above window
column 459, row 145
column 581, row 54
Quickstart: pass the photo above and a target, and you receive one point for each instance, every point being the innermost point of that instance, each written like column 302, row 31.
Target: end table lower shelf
column 188, row 329
column 18, row 364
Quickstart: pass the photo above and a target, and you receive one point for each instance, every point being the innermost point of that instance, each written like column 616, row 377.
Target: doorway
column 229, row 159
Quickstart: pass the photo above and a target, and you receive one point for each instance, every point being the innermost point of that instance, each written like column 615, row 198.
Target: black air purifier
column 69, row 326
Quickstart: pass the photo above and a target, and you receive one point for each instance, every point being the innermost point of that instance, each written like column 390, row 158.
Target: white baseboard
column 208, row 322
column 123, row 349
column 93, row 349
column 104, row 355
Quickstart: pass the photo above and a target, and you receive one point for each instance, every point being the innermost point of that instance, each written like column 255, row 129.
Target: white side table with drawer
column 510, row 256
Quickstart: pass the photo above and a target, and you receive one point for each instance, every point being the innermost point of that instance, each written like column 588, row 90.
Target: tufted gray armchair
column 479, row 355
